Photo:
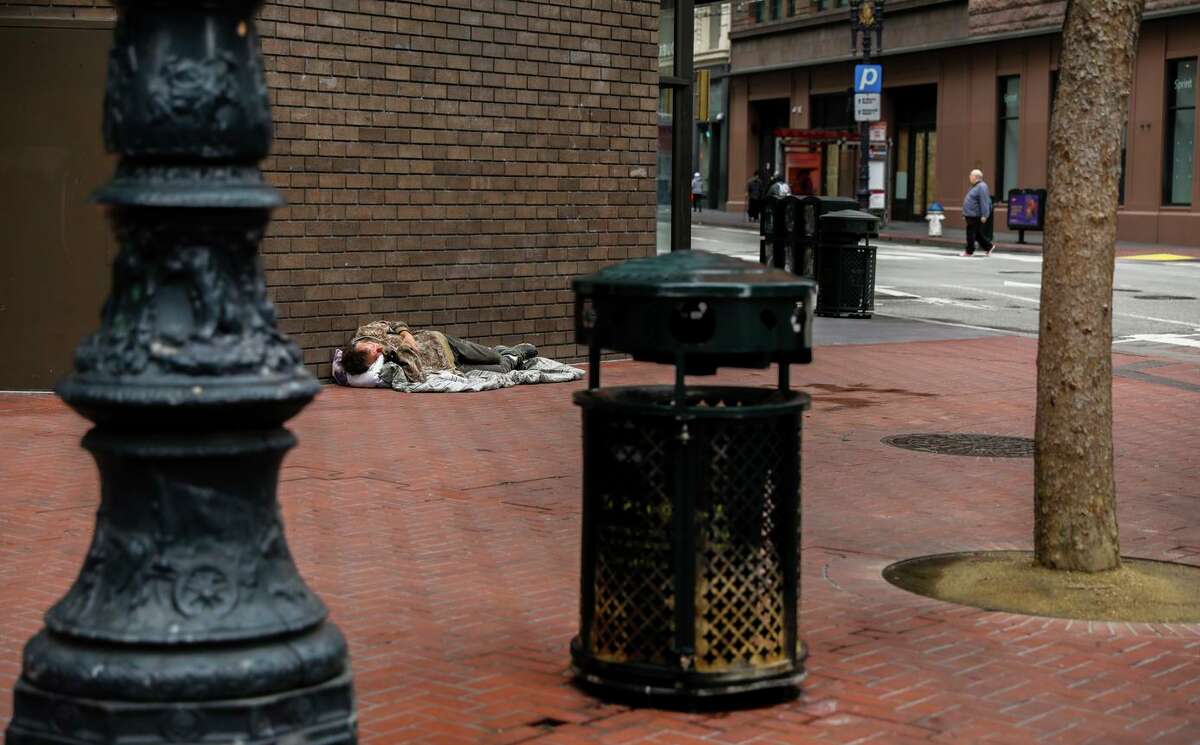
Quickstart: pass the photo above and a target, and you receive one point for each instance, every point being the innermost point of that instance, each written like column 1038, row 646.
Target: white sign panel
column 876, row 185
column 866, row 107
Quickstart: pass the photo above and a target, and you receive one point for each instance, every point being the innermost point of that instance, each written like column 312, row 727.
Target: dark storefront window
column 1121, row 180
column 1181, row 131
column 831, row 111
column 1008, row 132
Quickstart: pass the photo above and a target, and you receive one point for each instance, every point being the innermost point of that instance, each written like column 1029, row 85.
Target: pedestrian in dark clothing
column 754, row 196
column 976, row 207
column 697, row 193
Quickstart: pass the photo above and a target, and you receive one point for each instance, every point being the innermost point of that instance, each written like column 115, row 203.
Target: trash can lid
column 699, row 274
column 855, row 222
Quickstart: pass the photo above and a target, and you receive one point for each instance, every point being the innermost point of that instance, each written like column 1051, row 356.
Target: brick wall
column 453, row 163
column 456, row 162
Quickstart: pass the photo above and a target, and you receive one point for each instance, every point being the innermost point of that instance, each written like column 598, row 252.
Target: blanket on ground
column 389, row 375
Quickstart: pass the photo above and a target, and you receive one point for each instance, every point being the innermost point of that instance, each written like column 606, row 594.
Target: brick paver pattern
column 443, row 531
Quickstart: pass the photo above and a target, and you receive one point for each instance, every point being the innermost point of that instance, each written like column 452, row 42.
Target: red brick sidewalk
column 444, row 535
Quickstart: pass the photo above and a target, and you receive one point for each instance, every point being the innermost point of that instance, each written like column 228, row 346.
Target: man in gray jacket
column 976, row 208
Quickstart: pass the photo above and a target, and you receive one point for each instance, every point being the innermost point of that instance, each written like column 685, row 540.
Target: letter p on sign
column 868, row 78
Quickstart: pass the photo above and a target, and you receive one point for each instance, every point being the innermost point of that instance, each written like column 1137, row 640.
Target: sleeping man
column 419, row 353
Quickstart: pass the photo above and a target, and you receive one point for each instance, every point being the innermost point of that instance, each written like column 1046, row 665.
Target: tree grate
column 954, row 443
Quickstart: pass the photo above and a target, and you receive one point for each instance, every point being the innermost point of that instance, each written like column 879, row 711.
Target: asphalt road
column 930, row 293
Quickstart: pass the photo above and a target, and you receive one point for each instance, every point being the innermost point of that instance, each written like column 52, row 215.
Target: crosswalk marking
column 1178, row 340
column 1158, row 257
column 889, row 292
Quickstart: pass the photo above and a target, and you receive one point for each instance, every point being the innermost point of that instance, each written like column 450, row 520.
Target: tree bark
column 1075, row 521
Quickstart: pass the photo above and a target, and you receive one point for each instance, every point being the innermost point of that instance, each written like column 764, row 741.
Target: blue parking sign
column 868, row 78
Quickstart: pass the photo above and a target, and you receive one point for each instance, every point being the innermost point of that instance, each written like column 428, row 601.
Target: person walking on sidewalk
column 976, row 207
column 754, row 196
column 697, row 193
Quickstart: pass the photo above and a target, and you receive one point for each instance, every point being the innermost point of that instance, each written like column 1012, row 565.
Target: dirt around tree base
column 1141, row 591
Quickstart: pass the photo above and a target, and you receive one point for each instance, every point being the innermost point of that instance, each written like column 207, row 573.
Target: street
column 932, row 293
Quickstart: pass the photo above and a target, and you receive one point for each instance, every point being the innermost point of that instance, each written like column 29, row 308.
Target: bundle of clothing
column 432, row 362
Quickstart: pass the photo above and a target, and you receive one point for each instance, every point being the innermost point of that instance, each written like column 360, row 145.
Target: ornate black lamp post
column 866, row 18
column 189, row 621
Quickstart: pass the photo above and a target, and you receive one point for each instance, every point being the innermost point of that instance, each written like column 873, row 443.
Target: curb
column 916, row 240
column 1025, row 248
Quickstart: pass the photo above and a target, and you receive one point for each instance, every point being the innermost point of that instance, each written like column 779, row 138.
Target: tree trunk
column 1075, row 521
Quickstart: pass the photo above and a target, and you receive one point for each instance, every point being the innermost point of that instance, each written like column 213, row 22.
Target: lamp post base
column 318, row 715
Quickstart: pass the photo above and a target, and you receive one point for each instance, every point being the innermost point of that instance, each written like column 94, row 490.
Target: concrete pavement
column 443, row 532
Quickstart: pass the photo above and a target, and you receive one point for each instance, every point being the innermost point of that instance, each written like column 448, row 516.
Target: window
column 775, row 9
column 757, row 7
column 715, row 13
column 831, row 111
column 1121, row 179
column 1008, row 135
column 791, row 7
column 1181, row 131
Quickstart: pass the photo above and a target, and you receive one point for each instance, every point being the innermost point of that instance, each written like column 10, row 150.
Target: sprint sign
column 868, row 78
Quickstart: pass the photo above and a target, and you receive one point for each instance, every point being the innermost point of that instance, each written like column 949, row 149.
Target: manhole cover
column 983, row 446
column 1164, row 297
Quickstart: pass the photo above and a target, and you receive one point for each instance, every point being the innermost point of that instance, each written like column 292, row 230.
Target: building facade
column 710, row 138
column 966, row 85
column 453, row 165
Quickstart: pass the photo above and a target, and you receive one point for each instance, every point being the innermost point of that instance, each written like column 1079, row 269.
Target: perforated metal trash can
column 807, row 236
column 689, row 585
column 846, row 264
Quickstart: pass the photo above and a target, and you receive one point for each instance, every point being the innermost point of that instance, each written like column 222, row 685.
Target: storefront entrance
column 914, row 180
column 765, row 118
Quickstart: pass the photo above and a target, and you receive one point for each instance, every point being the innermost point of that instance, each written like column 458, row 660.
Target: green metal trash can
column 689, row 584
column 806, row 234
column 846, row 264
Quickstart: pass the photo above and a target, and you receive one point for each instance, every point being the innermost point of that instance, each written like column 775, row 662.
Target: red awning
column 817, row 135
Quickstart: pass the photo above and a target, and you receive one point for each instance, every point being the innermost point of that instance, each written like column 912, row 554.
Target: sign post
column 866, row 20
